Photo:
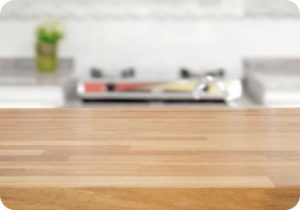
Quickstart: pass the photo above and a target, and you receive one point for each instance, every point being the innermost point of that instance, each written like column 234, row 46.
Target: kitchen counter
column 150, row 159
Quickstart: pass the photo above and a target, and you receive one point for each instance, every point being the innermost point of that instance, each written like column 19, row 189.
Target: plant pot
column 46, row 57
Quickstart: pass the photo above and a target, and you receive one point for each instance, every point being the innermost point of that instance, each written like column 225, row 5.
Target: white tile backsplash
column 108, row 9
column 271, row 8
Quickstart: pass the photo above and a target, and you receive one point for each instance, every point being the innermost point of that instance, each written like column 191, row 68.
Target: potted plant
column 48, row 36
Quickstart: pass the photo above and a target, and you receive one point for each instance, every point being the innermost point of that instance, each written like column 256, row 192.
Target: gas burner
column 127, row 73
column 188, row 74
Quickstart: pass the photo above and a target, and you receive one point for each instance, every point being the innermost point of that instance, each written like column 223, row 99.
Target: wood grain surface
column 150, row 159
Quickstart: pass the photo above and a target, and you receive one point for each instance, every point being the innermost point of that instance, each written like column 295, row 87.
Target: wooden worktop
column 150, row 159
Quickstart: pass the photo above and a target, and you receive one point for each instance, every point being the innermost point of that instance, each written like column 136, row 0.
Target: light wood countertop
column 150, row 159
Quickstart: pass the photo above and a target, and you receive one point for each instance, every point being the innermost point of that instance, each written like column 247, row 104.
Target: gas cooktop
column 190, row 87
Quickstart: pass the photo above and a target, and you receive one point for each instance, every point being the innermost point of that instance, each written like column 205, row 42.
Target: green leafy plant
column 49, row 33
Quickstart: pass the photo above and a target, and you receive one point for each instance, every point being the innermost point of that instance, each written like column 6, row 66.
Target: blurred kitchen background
column 149, row 53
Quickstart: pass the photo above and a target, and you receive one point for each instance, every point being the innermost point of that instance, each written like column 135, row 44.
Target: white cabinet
column 31, row 96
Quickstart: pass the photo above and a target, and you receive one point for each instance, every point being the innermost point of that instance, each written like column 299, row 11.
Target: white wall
column 159, row 47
